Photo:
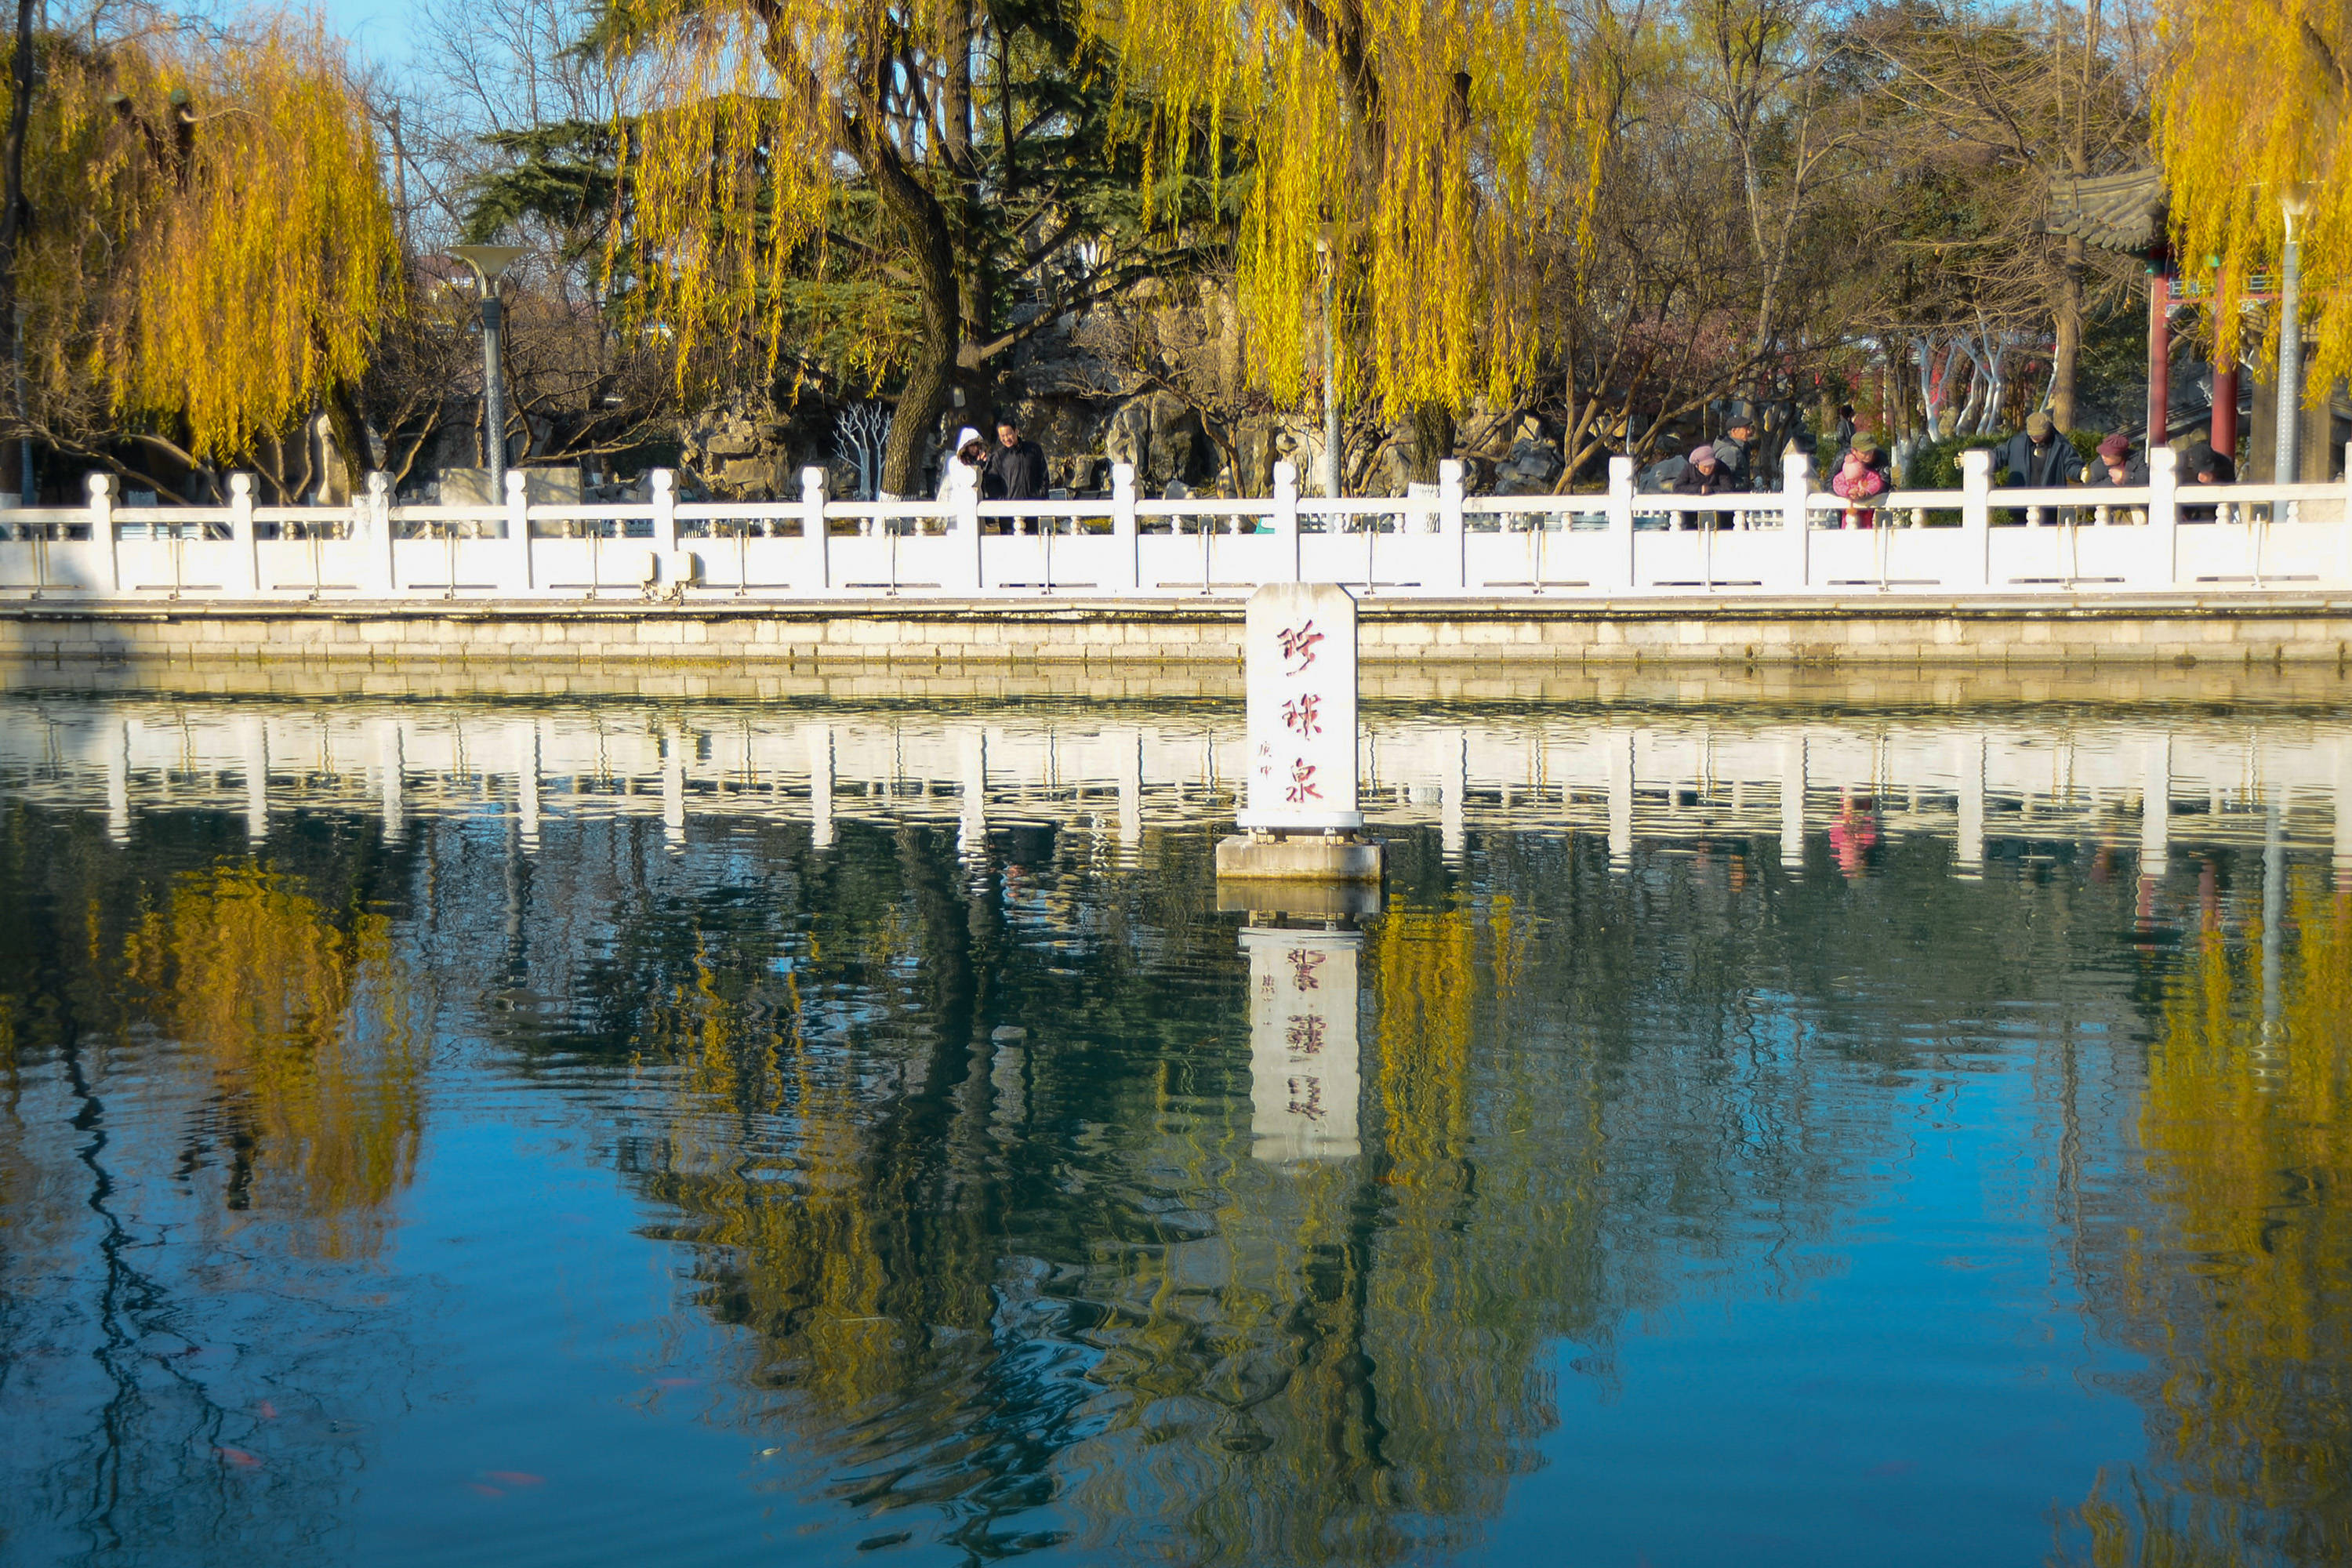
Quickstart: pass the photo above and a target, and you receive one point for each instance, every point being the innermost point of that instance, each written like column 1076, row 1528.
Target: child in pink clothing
column 1856, row 481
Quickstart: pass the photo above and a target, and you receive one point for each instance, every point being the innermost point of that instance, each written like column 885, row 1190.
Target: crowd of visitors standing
column 2040, row 456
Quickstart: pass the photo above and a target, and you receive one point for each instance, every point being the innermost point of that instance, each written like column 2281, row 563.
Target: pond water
column 639, row 1131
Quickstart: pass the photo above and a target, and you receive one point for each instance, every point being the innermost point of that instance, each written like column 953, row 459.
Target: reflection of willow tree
column 2237, row 1282
column 184, row 1031
column 984, row 1274
column 981, row 1275
column 315, row 1080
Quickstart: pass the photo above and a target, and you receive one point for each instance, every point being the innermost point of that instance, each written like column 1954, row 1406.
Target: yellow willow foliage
column 296, row 1023
column 230, row 284
column 732, row 154
column 2248, row 1131
column 2253, row 103
column 1434, row 141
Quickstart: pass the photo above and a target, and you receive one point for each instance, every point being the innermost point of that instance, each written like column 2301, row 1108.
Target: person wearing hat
column 1737, row 450
column 2037, row 459
column 1707, row 474
column 2202, row 465
column 2117, row 466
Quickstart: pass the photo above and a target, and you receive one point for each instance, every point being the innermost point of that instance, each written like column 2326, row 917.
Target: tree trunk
column 919, row 402
column 1433, row 440
column 13, row 208
column 2069, row 351
column 349, row 428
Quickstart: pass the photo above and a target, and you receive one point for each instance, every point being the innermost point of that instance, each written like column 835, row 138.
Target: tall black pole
column 494, row 398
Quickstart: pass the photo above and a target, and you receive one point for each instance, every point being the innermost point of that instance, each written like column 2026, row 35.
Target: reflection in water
column 2234, row 1274
column 1305, row 1077
column 314, row 1105
column 1001, row 1195
column 212, row 1090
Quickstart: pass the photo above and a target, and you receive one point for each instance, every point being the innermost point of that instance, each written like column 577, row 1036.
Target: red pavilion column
column 2159, row 354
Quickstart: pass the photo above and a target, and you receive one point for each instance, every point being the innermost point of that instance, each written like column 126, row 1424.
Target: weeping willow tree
column 2252, row 111
column 1414, row 156
column 207, row 253
column 883, row 178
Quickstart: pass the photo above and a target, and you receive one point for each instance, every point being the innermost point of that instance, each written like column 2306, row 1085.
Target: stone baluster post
column 1285, row 518
column 965, row 493
column 382, row 568
column 101, row 533
column 1123, row 527
column 1976, row 516
column 1620, row 573
column 816, row 540
column 662, row 485
column 517, row 578
column 2159, row 560
column 1452, row 527
column 1796, row 517
column 243, row 540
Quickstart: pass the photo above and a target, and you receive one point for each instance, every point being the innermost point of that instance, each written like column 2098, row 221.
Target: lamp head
column 490, row 262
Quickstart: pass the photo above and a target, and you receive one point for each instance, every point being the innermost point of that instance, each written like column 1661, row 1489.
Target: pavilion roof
column 2114, row 212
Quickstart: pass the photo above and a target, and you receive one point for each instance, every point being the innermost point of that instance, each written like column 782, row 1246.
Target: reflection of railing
column 1439, row 541
column 1970, row 782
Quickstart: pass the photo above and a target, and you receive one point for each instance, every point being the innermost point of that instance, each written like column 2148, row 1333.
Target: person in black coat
column 2202, row 465
column 2037, row 458
column 1016, row 469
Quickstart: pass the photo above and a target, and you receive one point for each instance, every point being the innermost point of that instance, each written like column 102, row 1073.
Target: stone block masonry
column 1154, row 639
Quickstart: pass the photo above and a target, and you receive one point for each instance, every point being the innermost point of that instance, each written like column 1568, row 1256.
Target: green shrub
column 2086, row 446
column 1936, row 465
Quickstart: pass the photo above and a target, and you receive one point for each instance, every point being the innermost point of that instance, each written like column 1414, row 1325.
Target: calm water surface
column 639, row 1132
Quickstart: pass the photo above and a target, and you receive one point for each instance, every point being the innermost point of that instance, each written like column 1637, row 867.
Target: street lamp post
column 1332, row 467
column 2294, row 203
column 489, row 263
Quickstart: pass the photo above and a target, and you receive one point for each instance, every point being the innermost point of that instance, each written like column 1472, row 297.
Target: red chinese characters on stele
column 1302, row 703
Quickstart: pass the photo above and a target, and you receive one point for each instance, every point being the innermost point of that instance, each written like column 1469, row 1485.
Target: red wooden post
column 2159, row 356
column 2224, row 436
column 2225, row 412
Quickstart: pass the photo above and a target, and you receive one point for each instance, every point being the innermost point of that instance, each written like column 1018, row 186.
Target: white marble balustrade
column 1974, row 540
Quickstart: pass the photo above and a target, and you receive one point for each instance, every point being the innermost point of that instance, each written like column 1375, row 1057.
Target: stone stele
column 1299, row 810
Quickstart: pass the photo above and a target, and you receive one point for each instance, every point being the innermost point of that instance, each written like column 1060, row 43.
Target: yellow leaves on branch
column 1434, row 144
column 222, row 259
column 734, row 116
column 2252, row 105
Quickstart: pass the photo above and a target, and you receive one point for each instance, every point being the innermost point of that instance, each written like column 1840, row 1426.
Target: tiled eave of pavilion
column 2122, row 211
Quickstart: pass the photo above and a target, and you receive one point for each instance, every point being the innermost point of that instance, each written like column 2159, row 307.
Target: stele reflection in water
column 1305, row 1076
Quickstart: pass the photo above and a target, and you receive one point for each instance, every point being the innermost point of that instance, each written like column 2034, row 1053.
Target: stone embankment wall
column 2150, row 632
